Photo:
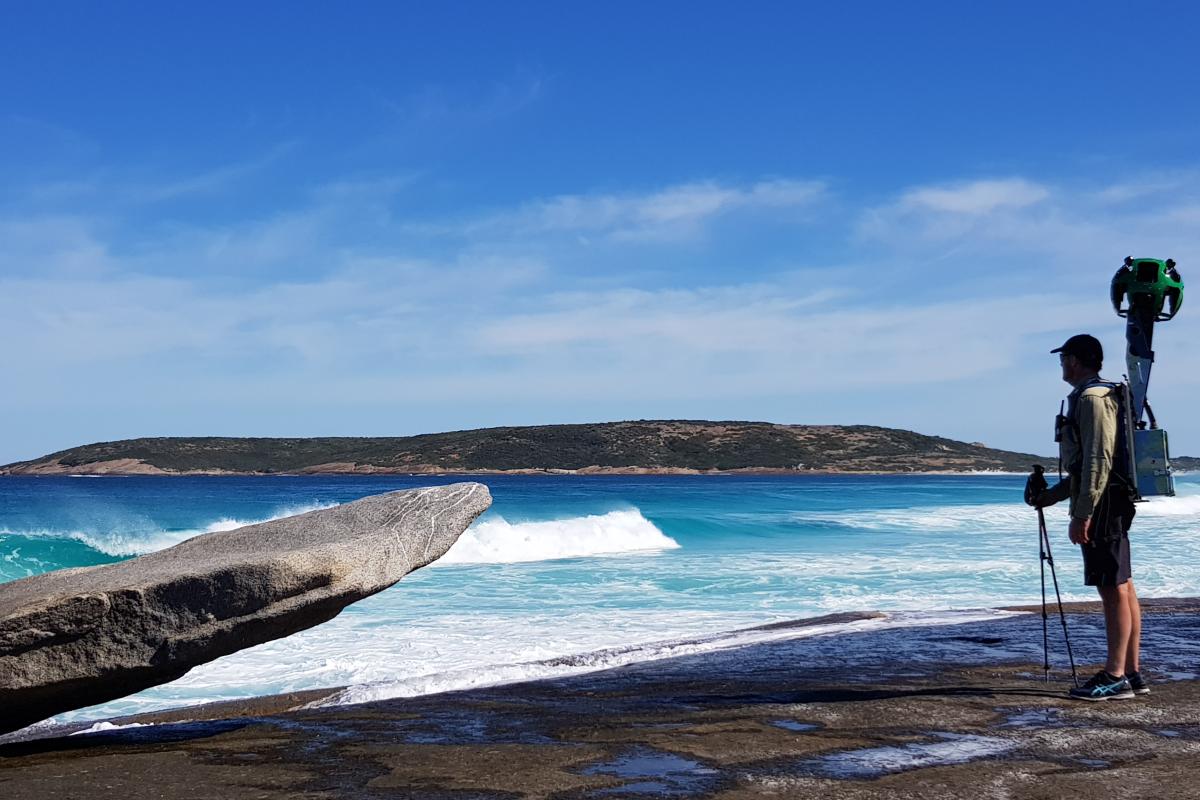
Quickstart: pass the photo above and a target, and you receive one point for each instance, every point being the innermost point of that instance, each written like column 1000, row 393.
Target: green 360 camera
column 1147, row 285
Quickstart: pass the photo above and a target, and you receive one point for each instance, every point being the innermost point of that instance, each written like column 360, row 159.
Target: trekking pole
column 1048, row 557
column 1035, row 487
column 1045, row 617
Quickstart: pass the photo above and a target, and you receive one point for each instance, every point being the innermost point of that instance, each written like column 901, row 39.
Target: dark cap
column 1084, row 347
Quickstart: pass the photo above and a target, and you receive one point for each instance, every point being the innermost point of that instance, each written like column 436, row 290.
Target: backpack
column 1124, row 466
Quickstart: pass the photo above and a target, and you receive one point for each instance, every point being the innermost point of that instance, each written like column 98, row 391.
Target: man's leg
column 1132, row 653
column 1118, row 624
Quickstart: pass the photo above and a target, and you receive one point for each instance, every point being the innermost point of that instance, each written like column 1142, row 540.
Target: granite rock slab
column 76, row 637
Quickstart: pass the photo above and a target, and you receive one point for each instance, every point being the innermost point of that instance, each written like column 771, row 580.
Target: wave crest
column 498, row 541
column 120, row 543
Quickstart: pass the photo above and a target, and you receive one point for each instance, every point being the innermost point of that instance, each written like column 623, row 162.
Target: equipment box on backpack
column 1153, row 466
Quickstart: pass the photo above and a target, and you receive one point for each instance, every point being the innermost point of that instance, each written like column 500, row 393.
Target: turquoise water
column 568, row 572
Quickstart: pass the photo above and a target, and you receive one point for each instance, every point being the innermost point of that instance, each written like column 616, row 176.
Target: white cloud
column 337, row 305
column 1063, row 232
column 668, row 213
column 1151, row 187
column 779, row 339
column 977, row 197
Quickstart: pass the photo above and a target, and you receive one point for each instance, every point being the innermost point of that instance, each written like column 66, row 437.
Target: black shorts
column 1106, row 556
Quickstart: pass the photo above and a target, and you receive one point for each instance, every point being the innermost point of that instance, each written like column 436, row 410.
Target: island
column 633, row 447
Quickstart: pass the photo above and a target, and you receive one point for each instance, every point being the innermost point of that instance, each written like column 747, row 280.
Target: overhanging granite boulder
column 77, row 637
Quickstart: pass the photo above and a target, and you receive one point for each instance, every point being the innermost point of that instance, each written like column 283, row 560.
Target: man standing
column 1101, row 512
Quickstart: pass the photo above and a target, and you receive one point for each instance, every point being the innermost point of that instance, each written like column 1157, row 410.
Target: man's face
column 1070, row 368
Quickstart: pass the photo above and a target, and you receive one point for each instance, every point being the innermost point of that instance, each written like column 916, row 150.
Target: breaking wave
column 990, row 517
column 29, row 552
column 117, row 543
column 498, row 541
column 491, row 540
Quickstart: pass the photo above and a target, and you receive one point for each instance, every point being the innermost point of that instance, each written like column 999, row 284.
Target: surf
column 495, row 540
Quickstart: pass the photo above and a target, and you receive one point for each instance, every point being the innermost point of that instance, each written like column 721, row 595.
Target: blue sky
column 285, row 219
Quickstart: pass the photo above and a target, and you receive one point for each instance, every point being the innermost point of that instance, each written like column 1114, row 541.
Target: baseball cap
column 1083, row 346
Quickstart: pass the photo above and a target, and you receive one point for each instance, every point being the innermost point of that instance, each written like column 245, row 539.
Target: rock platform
column 932, row 712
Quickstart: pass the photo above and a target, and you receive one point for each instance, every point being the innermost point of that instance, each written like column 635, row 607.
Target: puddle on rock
column 654, row 772
column 873, row 762
column 474, row 728
column 1093, row 762
column 1189, row 732
column 792, row 725
column 1034, row 718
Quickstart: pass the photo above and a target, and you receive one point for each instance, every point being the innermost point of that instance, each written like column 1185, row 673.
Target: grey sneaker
column 1137, row 682
column 1103, row 686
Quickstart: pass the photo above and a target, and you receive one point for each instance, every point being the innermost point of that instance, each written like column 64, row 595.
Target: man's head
column 1081, row 357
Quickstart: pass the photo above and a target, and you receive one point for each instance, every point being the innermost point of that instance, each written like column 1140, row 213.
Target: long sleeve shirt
column 1087, row 448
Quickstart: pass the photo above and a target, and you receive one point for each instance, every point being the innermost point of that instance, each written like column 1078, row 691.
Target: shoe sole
column 1123, row 696
column 1141, row 691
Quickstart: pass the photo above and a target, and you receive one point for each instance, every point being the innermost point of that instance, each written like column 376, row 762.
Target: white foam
column 100, row 727
column 497, row 541
column 936, row 519
column 991, row 517
column 565, row 666
column 119, row 543
column 1179, row 506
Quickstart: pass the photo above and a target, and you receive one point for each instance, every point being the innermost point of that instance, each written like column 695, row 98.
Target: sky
column 296, row 219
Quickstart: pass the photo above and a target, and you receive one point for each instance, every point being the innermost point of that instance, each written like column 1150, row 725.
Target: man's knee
column 1112, row 595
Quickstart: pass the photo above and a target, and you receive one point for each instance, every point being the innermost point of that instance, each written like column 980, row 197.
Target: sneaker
column 1137, row 682
column 1103, row 686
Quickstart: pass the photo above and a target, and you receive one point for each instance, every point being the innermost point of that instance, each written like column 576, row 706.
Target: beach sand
column 946, row 711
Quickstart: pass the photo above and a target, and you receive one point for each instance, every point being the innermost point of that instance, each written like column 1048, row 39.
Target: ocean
column 566, row 574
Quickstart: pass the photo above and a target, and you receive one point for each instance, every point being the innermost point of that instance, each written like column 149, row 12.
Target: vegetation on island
column 654, row 446
column 1185, row 463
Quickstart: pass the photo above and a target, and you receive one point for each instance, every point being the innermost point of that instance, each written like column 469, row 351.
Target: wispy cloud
column 218, row 179
column 976, row 197
column 440, row 105
column 781, row 337
column 1070, row 229
column 672, row 212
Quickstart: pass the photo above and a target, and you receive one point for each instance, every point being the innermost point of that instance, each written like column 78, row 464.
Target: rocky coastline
column 72, row 638
column 938, row 711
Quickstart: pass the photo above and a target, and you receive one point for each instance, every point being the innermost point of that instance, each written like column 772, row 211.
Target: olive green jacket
column 1088, row 456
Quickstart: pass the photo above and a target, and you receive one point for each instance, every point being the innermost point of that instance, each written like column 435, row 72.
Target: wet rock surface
column 925, row 712
column 77, row 637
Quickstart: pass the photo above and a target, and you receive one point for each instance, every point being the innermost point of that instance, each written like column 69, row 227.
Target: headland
column 644, row 447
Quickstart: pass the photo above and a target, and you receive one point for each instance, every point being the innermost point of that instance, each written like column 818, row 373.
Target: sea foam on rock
column 77, row 637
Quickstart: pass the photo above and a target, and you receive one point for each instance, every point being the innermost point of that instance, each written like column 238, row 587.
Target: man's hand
column 1035, row 486
column 1080, row 530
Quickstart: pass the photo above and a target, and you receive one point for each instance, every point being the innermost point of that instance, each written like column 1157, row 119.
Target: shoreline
column 584, row 472
column 825, row 625
column 937, row 711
